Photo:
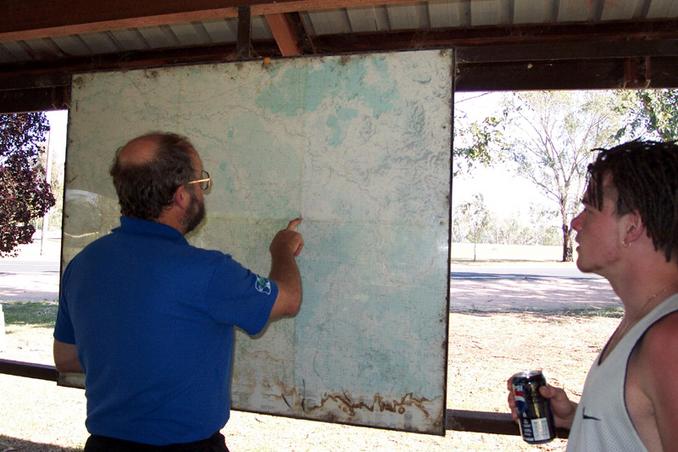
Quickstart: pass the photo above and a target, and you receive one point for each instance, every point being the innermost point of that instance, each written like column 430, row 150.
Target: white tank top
column 602, row 422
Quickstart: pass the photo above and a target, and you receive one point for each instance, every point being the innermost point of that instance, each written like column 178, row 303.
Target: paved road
column 520, row 286
column 25, row 267
column 31, row 276
column 487, row 286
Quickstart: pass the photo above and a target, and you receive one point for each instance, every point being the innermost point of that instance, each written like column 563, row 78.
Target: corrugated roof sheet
column 435, row 14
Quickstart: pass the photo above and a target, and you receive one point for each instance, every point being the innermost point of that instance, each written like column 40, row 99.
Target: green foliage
column 37, row 314
column 24, row 193
column 57, row 185
column 477, row 143
column 476, row 216
column 543, row 223
column 473, row 223
column 650, row 113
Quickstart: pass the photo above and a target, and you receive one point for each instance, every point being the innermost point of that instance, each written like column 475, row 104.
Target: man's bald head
column 148, row 170
column 140, row 150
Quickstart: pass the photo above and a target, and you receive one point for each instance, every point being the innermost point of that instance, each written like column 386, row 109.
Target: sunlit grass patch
column 613, row 312
column 30, row 313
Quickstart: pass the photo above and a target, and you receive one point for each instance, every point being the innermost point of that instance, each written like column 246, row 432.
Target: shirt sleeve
column 63, row 329
column 239, row 297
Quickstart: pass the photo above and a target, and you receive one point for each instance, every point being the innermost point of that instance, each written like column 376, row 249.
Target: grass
column 616, row 312
column 30, row 313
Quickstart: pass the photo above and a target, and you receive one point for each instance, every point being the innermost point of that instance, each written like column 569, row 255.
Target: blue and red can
column 534, row 411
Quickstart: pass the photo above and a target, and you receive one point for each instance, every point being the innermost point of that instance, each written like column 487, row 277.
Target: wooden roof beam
column 40, row 99
column 617, row 37
column 284, row 34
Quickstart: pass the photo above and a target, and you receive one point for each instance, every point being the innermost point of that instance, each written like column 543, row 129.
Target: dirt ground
column 485, row 349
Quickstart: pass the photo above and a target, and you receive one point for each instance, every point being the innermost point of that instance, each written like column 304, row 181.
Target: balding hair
column 147, row 171
column 140, row 150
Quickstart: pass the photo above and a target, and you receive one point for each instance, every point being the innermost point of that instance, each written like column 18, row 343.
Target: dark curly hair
column 144, row 190
column 645, row 174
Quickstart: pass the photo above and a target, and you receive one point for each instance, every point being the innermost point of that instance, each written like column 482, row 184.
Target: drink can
column 534, row 411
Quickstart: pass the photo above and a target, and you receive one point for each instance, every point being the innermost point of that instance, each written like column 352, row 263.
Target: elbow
column 294, row 304
column 66, row 358
column 288, row 303
column 67, row 367
column 296, row 307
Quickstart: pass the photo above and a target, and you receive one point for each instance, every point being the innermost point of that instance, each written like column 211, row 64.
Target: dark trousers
column 96, row 443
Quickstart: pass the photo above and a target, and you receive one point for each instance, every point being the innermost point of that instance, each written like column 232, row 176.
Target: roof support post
column 244, row 46
column 637, row 72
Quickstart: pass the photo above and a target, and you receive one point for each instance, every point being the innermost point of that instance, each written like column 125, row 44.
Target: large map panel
column 359, row 146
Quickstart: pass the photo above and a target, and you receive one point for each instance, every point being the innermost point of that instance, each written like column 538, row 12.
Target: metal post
column 48, row 178
column 244, row 44
column 2, row 330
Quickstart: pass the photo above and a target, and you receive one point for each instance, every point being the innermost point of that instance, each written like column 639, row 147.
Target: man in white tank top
column 628, row 233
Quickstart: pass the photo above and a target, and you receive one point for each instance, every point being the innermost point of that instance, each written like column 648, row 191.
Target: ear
column 182, row 198
column 634, row 227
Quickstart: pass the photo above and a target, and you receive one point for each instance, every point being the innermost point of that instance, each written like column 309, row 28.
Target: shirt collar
column 138, row 226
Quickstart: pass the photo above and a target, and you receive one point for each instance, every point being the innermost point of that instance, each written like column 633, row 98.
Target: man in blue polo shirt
column 150, row 319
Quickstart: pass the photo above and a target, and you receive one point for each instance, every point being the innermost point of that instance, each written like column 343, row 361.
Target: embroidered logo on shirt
column 586, row 416
column 263, row 285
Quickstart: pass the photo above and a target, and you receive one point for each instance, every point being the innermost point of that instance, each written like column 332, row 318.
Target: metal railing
column 459, row 420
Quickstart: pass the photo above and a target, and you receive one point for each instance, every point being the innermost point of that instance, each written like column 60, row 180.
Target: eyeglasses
column 205, row 181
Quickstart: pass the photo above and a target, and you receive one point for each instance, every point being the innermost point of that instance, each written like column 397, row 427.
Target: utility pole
column 48, row 178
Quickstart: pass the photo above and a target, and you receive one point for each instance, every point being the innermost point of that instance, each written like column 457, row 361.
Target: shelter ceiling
column 535, row 44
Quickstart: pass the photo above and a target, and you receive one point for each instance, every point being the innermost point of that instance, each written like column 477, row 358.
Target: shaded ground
column 491, row 337
column 8, row 444
column 485, row 348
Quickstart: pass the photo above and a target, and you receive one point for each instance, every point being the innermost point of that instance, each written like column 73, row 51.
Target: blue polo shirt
column 153, row 320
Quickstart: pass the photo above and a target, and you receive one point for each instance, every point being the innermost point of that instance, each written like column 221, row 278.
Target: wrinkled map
column 359, row 146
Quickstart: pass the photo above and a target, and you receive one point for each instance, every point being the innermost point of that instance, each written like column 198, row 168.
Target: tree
column 57, row 184
column 24, row 192
column 519, row 229
column 554, row 133
column 653, row 112
column 476, row 217
column 476, row 142
column 510, row 231
column 543, row 226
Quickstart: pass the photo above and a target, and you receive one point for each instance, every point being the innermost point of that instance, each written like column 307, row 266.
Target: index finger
column 292, row 226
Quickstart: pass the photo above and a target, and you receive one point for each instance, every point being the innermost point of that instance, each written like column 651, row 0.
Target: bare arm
column 562, row 407
column 66, row 357
column 285, row 247
column 658, row 358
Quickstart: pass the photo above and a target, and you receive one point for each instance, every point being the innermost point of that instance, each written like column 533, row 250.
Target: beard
column 194, row 215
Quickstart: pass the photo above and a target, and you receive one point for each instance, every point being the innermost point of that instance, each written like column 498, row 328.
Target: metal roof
column 420, row 16
column 534, row 44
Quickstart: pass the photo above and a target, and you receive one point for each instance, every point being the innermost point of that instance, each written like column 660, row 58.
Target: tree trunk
column 567, row 244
